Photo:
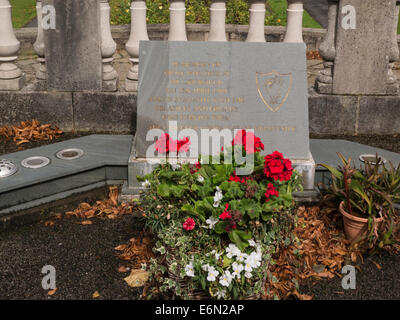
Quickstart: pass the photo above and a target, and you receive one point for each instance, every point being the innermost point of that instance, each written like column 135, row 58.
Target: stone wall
column 116, row 112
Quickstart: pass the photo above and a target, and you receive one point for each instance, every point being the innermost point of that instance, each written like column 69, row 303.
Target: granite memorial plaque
column 225, row 85
column 363, row 51
column 72, row 49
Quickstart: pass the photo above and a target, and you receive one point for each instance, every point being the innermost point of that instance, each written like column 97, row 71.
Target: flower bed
column 216, row 231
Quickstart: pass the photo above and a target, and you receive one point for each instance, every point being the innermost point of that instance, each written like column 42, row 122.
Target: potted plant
column 366, row 198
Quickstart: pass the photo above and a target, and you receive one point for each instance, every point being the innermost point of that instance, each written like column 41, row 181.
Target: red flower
column 277, row 168
column 189, row 224
column 182, row 145
column 230, row 226
column 225, row 215
column 249, row 141
column 235, row 178
column 164, row 143
column 271, row 191
column 196, row 168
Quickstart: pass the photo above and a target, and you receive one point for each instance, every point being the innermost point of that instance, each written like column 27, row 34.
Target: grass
column 23, row 11
column 279, row 10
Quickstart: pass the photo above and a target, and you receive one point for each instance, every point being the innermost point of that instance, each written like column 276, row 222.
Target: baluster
column 257, row 21
column 217, row 21
column 177, row 25
column 11, row 77
column 294, row 27
column 327, row 49
column 108, row 48
column 41, row 73
column 138, row 32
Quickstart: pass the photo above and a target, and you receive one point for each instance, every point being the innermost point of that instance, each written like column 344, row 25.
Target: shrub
column 197, row 11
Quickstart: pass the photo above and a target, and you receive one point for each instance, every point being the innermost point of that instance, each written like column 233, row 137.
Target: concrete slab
column 106, row 162
column 325, row 151
column 97, row 150
column 105, row 159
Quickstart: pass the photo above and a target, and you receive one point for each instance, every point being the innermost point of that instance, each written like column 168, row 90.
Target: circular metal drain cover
column 35, row 162
column 371, row 159
column 7, row 168
column 70, row 154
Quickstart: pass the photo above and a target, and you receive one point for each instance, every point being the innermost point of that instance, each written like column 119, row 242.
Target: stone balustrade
column 12, row 78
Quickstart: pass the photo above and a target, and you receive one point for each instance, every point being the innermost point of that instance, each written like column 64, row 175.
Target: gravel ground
column 83, row 255
column 372, row 283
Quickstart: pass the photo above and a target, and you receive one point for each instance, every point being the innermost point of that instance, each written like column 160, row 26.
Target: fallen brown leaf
column 49, row 223
column 121, row 247
column 96, row 294
column 86, row 222
column 378, row 266
column 137, row 278
column 51, row 292
column 30, row 131
column 123, row 269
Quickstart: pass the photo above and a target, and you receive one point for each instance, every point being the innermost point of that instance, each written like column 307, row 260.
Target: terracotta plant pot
column 355, row 227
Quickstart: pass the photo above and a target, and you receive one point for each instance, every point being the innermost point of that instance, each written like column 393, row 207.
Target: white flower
column 225, row 279
column 205, row 267
column 175, row 166
column 212, row 274
column 217, row 255
column 189, row 270
column 232, row 251
column 241, row 256
column 237, row 269
column 252, row 261
column 212, row 252
column 220, row 294
column 200, row 179
column 146, row 184
column 256, row 259
column 218, row 197
column 248, row 267
column 212, row 222
column 252, row 243
column 248, row 275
